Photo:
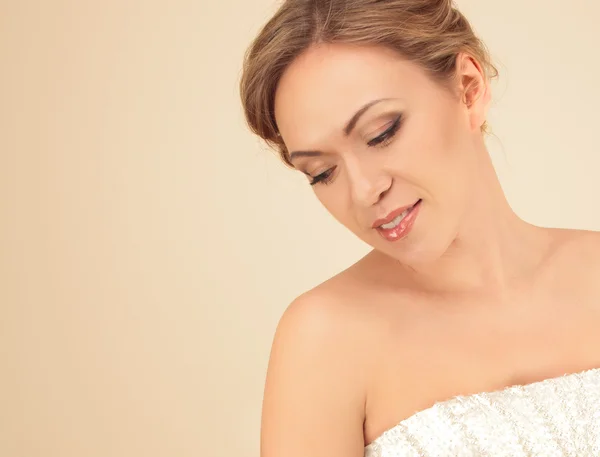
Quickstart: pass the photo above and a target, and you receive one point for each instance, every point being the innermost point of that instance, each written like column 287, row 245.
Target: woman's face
column 389, row 152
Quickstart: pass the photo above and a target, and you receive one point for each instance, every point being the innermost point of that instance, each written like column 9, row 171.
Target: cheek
column 432, row 159
column 337, row 202
column 441, row 128
column 331, row 201
column 444, row 138
column 422, row 155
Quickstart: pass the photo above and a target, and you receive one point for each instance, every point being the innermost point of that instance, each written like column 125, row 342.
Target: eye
column 385, row 138
column 324, row 178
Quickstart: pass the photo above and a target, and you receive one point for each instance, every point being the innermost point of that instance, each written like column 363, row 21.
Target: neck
column 493, row 247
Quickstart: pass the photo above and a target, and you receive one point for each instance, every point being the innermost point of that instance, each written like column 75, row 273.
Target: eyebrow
column 347, row 129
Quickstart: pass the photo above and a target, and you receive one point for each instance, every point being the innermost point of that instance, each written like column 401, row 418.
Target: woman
column 466, row 330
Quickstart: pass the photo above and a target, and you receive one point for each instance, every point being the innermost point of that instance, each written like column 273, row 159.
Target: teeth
column 396, row 221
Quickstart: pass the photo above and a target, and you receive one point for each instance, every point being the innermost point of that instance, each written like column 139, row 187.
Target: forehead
column 328, row 83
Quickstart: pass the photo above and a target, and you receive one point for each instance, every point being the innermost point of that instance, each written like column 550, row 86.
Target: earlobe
column 476, row 103
column 476, row 97
column 481, row 103
column 475, row 91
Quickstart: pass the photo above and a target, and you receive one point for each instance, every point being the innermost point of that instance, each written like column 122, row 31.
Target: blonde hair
column 430, row 33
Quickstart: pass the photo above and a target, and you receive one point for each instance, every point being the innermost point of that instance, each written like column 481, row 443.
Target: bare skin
column 472, row 299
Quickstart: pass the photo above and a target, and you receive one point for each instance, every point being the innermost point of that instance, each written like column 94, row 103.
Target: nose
column 368, row 182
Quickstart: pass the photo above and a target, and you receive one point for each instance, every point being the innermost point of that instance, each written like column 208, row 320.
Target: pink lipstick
column 398, row 223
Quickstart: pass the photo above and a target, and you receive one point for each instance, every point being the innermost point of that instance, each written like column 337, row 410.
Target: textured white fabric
column 550, row 418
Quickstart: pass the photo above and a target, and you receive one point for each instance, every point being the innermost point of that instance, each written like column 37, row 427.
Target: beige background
column 149, row 244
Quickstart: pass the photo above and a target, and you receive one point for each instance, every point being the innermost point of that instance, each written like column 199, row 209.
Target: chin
column 418, row 248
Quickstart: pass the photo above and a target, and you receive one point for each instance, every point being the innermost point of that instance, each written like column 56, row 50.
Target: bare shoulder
column 576, row 264
column 579, row 249
column 589, row 241
column 315, row 388
column 336, row 310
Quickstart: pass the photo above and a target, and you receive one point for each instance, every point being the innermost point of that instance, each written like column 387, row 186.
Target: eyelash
column 380, row 141
column 385, row 138
column 323, row 178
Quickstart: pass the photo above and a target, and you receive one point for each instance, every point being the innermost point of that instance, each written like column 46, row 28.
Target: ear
column 474, row 89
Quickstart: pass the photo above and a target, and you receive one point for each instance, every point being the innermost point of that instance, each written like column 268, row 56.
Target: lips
column 393, row 215
column 398, row 223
